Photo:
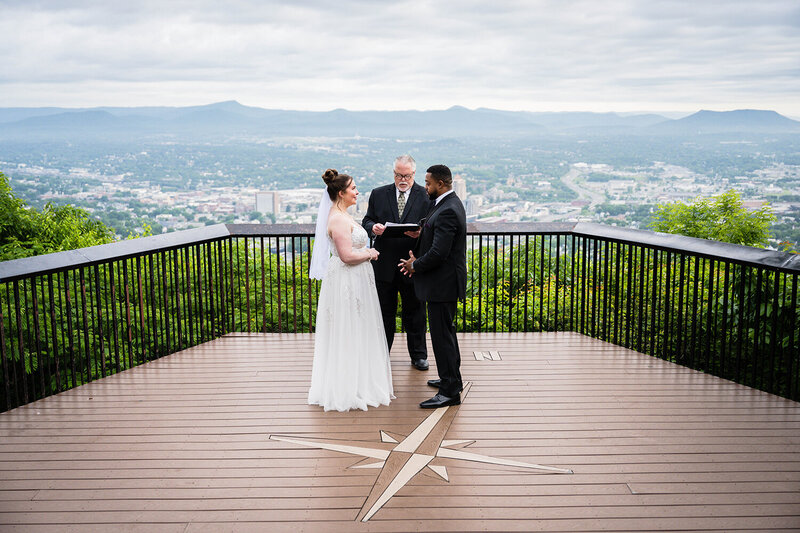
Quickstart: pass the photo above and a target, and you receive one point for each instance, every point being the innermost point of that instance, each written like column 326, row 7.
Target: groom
column 440, row 280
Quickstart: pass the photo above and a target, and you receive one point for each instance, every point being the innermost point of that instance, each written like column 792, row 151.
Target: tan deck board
column 181, row 444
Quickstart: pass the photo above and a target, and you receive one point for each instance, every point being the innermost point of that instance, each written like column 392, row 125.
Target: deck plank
column 182, row 444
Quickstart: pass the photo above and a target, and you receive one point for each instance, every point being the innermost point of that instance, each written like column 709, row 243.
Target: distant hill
column 743, row 120
column 232, row 118
column 578, row 122
column 77, row 120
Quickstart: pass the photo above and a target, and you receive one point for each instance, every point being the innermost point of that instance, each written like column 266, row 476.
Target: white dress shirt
column 439, row 198
column 397, row 193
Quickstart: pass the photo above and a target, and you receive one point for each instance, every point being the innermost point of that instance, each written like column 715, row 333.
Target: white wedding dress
column 351, row 357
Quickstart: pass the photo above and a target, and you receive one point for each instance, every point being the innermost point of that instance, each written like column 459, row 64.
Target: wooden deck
column 219, row 438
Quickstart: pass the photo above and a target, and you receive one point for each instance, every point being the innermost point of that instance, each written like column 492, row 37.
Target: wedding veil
column 321, row 253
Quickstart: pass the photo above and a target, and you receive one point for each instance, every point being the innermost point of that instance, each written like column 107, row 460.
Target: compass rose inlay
column 410, row 456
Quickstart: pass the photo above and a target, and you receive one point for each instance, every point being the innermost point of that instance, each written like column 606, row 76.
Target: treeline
column 25, row 231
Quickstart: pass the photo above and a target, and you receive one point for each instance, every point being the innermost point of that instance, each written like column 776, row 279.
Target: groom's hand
column 407, row 265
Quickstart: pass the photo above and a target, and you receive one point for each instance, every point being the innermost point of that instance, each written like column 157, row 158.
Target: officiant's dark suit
column 440, row 279
column 382, row 208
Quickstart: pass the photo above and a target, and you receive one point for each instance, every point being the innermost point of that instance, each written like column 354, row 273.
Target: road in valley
column 594, row 198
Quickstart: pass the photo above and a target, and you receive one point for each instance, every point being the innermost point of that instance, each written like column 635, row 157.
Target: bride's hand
column 373, row 254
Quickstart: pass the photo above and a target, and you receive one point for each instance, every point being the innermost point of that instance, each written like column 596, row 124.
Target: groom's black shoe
column 420, row 364
column 437, row 383
column 440, row 401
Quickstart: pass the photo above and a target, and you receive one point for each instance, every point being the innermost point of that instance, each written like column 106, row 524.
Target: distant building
column 473, row 204
column 753, row 205
column 268, row 202
column 460, row 186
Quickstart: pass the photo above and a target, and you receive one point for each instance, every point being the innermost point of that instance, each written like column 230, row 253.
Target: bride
column 351, row 357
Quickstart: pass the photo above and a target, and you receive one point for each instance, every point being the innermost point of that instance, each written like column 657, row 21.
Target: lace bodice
column 358, row 236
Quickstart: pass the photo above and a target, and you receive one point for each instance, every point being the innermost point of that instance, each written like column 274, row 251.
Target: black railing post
column 511, row 288
column 99, row 331
column 20, row 347
column 113, row 303
column 604, row 314
column 156, row 327
column 630, row 276
column 595, row 286
column 558, row 283
column 143, row 345
column 4, row 359
column 85, row 315
column 128, row 323
column 584, row 285
column 70, row 329
column 679, row 333
column 541, row 283
column 572, row 283
column 175, row 286
column 246, row 280
column 280, row 291
column 494, row 285
column 311, row 316
column 264, row 291
column 480, row 282
column 206, row 290
column 774, row 334
column 188, row 286
column 792, row 352
column 54, row 330
column 294, row 286
column 37, row 342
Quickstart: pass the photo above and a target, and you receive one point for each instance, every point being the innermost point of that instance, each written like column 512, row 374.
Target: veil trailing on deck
column 322, row 248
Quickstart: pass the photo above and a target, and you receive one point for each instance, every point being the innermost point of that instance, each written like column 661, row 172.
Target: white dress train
column 351, row 357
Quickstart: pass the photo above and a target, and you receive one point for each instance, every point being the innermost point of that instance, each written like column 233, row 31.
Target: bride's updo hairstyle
column 336, row 183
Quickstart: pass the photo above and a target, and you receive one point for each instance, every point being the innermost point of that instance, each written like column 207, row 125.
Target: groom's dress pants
column 441, row 319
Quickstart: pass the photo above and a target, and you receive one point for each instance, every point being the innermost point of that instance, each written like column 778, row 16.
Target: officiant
column 400, row 202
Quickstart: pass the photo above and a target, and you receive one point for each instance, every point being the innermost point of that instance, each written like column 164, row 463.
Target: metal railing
column 73, row 317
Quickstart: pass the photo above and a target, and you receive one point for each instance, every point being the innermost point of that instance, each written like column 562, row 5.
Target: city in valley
column 173, row 185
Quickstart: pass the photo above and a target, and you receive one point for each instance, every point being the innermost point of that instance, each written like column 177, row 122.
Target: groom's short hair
column 441, row 173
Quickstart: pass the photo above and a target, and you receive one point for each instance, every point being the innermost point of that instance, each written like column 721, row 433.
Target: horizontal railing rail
column 71, row 317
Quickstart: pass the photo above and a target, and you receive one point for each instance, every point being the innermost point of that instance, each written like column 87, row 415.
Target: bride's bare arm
column 340, row 229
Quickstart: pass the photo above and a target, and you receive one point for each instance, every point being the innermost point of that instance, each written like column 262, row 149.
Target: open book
column 394, row 229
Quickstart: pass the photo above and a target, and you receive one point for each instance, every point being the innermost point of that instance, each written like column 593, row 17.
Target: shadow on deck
column 183, row 444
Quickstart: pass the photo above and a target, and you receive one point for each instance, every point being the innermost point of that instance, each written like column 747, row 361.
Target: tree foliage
column 720, row 218
column 25, row 231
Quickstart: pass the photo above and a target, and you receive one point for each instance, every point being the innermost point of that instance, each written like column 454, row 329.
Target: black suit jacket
column 440, row 270
column 382, row 208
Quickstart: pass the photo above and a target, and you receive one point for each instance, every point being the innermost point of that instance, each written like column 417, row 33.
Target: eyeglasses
column 404, row 176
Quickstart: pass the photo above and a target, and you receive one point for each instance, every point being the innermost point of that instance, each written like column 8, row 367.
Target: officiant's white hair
column 407, row 160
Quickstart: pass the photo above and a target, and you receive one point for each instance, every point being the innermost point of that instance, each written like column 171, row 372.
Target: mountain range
column 232, row 119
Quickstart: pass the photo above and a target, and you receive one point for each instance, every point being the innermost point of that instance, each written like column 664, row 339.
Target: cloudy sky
column 538, row 55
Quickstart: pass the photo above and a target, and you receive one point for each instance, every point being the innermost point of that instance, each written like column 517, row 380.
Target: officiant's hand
column 407, row 265
column 413, row 234
column 378, row 228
